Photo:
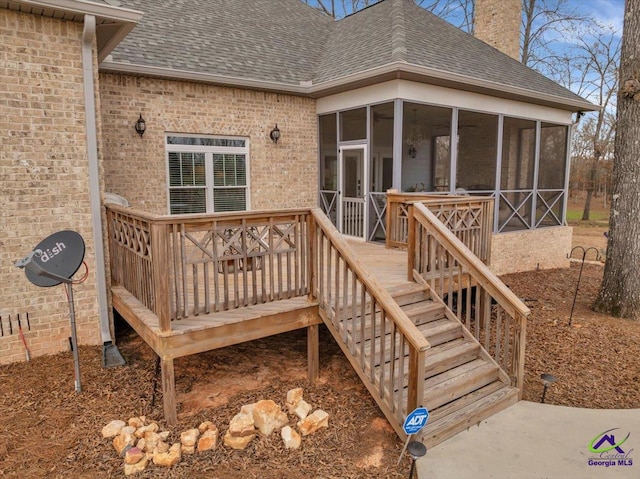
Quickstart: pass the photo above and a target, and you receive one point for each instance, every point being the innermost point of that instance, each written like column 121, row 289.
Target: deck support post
column 411, row 243
column 168, row 390
column 313, row 352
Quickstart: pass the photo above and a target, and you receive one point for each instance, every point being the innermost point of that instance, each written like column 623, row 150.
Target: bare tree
column 340, row 8
column 620, row 290
column 543, row 23
column 591, row 70
column 460, row 13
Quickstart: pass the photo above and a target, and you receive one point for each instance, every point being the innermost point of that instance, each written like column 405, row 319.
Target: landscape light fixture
column 140, row 126
column 275, row 134
column 416, row 450
column 547, row 380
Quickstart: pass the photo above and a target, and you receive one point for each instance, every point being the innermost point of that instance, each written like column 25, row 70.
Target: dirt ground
column 50, row 431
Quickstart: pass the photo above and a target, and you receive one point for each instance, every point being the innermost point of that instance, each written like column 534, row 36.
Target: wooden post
column 168, row 390
column 312, row 260
column 411, row 243
column 160, row 272
column 415, row 387
column 313, row 352
column 391, row 211
column 520, row 341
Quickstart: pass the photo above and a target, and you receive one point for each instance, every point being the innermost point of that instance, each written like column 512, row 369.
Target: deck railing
column 470, row 218
column 489, row 310
column 375, row 332
column 185, row 265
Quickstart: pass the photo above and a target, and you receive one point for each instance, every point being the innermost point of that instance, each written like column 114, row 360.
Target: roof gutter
column 162, row 72
column 402, row 68
column 80, row 7
column 398, row 70
column 88, row 35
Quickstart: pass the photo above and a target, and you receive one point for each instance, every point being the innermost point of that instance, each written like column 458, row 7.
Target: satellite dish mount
column 54, row 261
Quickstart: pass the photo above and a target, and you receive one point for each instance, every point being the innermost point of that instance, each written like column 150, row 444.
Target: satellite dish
column 54, row 261
column 61, row 254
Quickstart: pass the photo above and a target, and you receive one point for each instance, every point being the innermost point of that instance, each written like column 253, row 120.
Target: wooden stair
column 463, row 385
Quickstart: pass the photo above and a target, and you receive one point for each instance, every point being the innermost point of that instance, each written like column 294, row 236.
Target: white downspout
column 88, row 35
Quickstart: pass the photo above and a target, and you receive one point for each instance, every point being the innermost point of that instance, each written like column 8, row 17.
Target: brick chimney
column 497, row 22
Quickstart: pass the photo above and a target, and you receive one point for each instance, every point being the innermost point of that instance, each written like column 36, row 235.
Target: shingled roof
column 285, row 45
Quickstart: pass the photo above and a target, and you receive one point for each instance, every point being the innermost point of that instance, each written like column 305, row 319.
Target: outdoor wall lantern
column 412, row 151
column 275, row 134
column 140, row 126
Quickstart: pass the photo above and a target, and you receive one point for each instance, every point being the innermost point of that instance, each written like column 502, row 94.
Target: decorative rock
column 294, row 396
column 128, row 430
column 151, row 440
column 208, row 440
column 268, row 417
column 141, row 431
column 122, row 440
column 161, row 447
column 188, row 449
column 207, row 425
column 133, row 455
column 169, row 458
column 237, row 442
column 142, row 444
column 137, row 467
column 164, row 435
column 241, row 425
column 302, row 409
column 290, row 437
column 247, row 409
column 113, row 428
column 189, row 437
column 136, row 422
column 313, row 422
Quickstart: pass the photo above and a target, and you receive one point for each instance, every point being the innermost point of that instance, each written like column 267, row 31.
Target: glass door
column 353, row 190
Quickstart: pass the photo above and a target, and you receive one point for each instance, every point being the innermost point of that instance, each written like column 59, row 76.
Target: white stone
column 313, row 422
column 268, row 417
column 189, row 437
column 237, row 442
column 302, row 409
column 136, row 422
column 169, row 458
column 241, row 425
column 208, row 440
column 137, row 467
column 122, row 441
column 140, row 432
column 113, row 428
column 290, row 437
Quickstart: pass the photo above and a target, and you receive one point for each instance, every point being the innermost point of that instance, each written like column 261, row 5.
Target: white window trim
column 209, row 151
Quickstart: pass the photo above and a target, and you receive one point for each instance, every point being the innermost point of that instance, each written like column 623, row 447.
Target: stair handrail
column 406, row 326
column 424, row 261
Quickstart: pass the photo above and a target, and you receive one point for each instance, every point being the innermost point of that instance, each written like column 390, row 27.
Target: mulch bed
column 50, row 431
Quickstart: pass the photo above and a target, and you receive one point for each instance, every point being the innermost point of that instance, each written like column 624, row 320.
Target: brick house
column 390, row 97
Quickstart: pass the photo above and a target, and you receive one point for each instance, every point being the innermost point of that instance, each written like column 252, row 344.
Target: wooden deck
column 206, row 331
column 193, row 283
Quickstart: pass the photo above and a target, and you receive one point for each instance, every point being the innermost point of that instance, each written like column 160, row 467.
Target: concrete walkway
column 539, row 441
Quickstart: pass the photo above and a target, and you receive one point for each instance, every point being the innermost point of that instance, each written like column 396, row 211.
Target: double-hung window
column 207, row 174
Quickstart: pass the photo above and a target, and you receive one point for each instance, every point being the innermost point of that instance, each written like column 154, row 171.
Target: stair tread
column 435, row 327
column 424, row 308
column 457, row 382
column 463, row 413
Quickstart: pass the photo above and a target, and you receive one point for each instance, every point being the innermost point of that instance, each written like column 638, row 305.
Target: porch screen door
column 353, row 191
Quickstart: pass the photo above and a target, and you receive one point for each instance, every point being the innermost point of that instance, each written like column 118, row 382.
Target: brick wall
column 497, row 22
column 281, row 176
column 543, row 248
column 43, row 177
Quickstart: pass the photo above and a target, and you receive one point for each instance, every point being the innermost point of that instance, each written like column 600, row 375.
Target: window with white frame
column 207, row 174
